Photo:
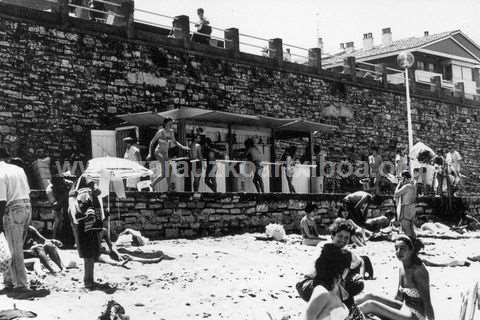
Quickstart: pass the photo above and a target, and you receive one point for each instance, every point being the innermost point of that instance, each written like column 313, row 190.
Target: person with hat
column 15, row 217
column 309, row 227
column 406, row 195
column 131, row 152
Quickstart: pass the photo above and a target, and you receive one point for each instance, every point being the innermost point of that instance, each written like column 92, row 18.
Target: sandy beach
column 234, row 277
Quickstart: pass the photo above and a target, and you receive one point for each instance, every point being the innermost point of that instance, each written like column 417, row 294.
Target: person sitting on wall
column 203, row 28
column 308, row 226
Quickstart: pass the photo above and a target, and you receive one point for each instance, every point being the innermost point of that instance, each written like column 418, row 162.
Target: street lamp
column 405, row 60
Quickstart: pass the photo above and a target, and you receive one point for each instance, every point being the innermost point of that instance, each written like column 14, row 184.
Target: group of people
column 334, row 289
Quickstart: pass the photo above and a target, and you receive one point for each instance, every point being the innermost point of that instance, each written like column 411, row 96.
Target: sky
column 300, row 22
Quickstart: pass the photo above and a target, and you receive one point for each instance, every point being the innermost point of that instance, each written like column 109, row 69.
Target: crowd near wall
column 59, row 80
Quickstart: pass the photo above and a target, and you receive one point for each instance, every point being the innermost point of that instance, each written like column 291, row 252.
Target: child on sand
column 412, row 301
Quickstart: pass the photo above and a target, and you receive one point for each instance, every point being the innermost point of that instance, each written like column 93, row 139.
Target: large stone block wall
column 59, row 82
column 173, row 215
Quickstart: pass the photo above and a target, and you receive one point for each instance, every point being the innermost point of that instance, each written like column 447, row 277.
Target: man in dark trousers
column 356, row 204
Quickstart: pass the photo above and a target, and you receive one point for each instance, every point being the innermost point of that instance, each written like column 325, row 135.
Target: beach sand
column 234, row 277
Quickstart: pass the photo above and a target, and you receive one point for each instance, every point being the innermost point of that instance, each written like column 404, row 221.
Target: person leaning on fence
column 204, row 29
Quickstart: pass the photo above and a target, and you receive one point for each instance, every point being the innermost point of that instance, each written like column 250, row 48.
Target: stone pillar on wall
column 181, row 27
column 275, row 49
column 436, row 85
column 315, row 58
column 63, row 11
column 232, row 39
column 349, row 67
column 127, row 10
column 459, row 90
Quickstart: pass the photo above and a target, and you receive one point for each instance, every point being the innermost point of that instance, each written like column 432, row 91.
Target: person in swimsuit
column 406, row 195
column 288, row 163
column 308, row 226
column 255, row 156
column 165, row 139
column 412, row 301
column 211, row 170
column 326, row 302
column 196, row 159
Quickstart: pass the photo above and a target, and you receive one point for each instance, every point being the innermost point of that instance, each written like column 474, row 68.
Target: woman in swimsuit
column 165, row 139
column 412, row 301
column 326, row 302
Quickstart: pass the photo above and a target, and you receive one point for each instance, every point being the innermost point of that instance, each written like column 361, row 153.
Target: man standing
column 131, row 152
column 16, row 214
column 406, row 194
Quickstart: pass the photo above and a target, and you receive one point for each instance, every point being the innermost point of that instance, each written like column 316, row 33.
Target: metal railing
column 95, row 10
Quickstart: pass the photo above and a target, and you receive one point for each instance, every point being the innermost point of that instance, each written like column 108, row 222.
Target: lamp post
column 405, row 60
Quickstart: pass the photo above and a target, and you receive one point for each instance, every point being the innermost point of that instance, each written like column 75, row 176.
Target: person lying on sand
column 46, row 250
column 110, row 255
column 412, row 301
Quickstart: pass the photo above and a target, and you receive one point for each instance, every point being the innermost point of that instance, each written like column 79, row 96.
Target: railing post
column 181, row 27
column 232, row 40
column 459, row 90
column 380, row 68
column 275, row 49
column 349, row 67
column 436, row 85
column 63, row 11
column 315, row 58
column 127, row 10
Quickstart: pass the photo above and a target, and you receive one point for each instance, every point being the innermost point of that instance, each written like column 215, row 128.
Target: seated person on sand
column 412, row 301
column 46, row 250
column 309, row 227
column 326, row 301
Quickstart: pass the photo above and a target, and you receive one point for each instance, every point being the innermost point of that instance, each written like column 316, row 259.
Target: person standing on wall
column 16, row 215
column 288, row 162
column 406, row 195
column 375, row 161
column 165, row 139
column 196, row 159
column 131, row 152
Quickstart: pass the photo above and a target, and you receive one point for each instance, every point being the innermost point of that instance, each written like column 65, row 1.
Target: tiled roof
column 399, row 45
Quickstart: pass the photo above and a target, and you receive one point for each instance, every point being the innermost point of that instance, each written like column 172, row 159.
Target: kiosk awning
column 197, row 114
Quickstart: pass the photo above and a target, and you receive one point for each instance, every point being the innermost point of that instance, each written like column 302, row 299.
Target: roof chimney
column 386, row 36
column 342, row 46
column 350, row 47
column 320, row 43
column 367, row 41
column 425, row 33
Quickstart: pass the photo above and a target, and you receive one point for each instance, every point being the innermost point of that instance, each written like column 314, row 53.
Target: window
column 431, row 67
column 460, row 73
column 420, row 65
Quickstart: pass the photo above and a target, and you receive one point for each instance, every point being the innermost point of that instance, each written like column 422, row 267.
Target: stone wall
column 173, row 215
column 59, row 81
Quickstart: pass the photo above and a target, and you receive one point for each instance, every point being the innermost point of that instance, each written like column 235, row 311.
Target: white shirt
column 132, row 153
column 13, row 183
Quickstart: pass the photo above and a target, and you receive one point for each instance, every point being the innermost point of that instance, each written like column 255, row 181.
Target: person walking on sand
column 405, row 195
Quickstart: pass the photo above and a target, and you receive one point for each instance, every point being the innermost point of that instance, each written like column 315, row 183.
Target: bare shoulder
column 420, row 271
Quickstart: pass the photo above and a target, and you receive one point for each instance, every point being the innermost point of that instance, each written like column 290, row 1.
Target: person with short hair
column 132, row 152
column 255, row 157
column 203, row 28
column 308, row 226
column 15, row 217
column 406, row 195
column 165, row 139
column 412, row 301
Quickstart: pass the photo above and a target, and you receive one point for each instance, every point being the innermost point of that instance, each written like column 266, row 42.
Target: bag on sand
column 5, row 255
